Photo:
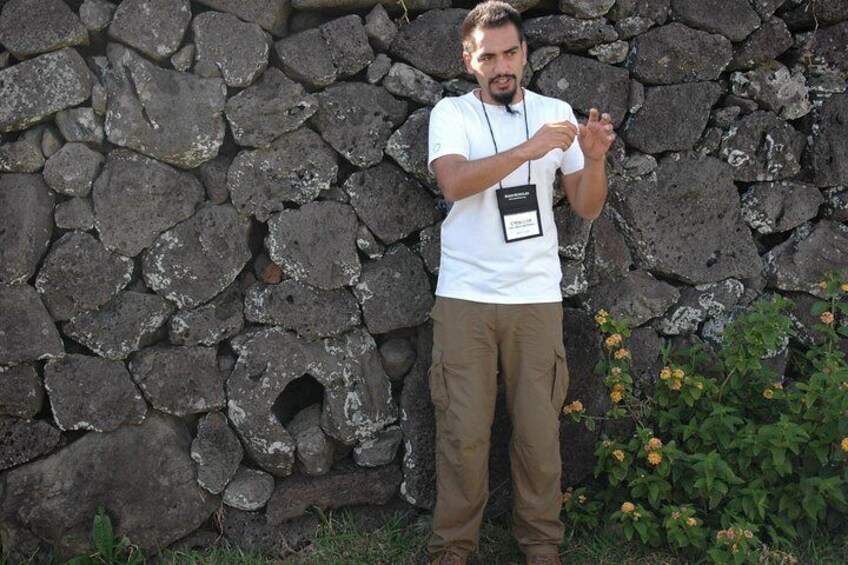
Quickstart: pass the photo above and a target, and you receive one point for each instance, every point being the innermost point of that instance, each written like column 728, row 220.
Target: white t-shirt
column 477, row 264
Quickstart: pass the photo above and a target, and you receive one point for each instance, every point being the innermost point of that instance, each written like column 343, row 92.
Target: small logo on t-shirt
column 437, row 147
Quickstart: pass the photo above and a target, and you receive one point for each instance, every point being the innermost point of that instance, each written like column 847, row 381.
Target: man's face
column 497, row 62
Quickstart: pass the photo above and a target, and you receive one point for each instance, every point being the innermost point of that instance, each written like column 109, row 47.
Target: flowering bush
column 724, row 452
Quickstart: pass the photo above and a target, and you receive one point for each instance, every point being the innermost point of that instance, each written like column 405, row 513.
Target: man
column 495, row 153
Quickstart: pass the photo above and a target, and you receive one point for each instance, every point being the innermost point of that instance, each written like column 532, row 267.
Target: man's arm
column 459, row 178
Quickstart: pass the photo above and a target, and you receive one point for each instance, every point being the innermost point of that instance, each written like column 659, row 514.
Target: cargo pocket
column 560, row 388
column 436, row 381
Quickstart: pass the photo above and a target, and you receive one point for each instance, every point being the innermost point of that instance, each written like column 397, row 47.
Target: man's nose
column 501, row 66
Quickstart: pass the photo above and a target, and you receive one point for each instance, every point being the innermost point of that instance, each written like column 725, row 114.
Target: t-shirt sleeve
column 572, row 159
column 446, row 135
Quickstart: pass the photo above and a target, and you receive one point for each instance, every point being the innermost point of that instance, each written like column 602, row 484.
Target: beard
column 504, row 98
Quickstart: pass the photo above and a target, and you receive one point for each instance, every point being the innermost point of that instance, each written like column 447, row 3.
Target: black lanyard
column 492, row 133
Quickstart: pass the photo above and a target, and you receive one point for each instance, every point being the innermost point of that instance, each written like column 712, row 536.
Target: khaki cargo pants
column 469, row 340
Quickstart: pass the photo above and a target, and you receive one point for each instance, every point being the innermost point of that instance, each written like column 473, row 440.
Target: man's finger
column 606, row 118
column 593, row 115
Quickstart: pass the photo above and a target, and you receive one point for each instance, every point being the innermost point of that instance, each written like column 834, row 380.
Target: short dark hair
column 489, row 14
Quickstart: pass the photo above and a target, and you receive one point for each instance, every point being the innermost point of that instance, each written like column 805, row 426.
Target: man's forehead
column 496, row 39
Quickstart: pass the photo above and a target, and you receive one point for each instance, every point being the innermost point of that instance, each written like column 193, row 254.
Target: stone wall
column 219, row 238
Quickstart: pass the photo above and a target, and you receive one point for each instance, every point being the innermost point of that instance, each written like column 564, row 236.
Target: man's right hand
column 552, row 135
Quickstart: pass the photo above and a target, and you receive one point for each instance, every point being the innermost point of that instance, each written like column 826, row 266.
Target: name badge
column 519, row 210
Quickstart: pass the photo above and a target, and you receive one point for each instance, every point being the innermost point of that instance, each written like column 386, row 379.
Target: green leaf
column 103, row 534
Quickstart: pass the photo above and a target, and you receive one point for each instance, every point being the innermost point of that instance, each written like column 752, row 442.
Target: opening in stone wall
column 298, row 394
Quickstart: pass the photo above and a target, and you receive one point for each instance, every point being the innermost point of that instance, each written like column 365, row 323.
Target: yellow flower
column 607, row 443
column 675, row 515
column 613, row 341
column 581, row 499
column 618, row 454
column 654, row 458
column 826, row 318
column 823, row 285
column 679, row 374
column 844, row 444
column 768, row 393
column 691, row 521
column 628, row 507
column 665, row 374
column 844, row 288
column 575, row 406
column 676, row 384
column 699, row 385
column 616, row 396
column 653, row 443
column 615, row 371
column 621, row 354
column 618, row 386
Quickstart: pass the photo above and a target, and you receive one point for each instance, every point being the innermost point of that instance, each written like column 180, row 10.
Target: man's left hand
column 596, row 135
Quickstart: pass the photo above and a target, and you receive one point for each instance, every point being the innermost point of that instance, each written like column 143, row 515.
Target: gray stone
column 217, row 452
column 822, row 51
column 99, row 97
column 213, row 175
column 764, row 44
column 830, row 146
column 815, row 13
column 315, row 450
column 540, row 57
column 26, row 331
column 79, row 274
column 836, row 203
column 565, row 78
column 431, row 43
column 394, row 292
column 157, row 455
column 21, row 157
column 392, row 204
column 573, row 34
column 72, row 169
column 610, row 257
column 780, row 206
column 675, row 53
column 628, row 28
column 4, row 60
column 30, row 27
column 357, row 398
column 225, row 44
column 585, row 9
column 171, row 116
column 638, row 165
column 194, row 261
column 24, row 440
column 572, row 233
column 672, row 118
column 324, row 258
column 367, row 243
column 295, row 168
column 273, row 106
column 125, row 324
column 699, row 303
column 311, row 312
column 654, row 10
column 183, row 59
column 411, row 83
column 249, row 489
column 320, row 56
column 251, row 531
column 774, row 88
column 408, row 146
column 380, row 28
column 271, row 15
column 220, row 319
column 734, row 19
column 430, row 247
column 379, row 450
column 80, row 125
column 137, row 198
column 45, row 137
column 302, row 21
column 35, row 89
column 179, row 380
column 356, row 120
column 685, row 221
column 802, row 261
column 637, row 297
column 154, row 27
column 611, row 53
column 762, row 147
column 96, row 15
column 26, row 206
column 21, row 392
column 89, row 393
column 574, row 280
column 346, row 486
column 398, row 357
column 378, row 69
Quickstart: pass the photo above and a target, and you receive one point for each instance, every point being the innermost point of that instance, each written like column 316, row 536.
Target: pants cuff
column 541, row 549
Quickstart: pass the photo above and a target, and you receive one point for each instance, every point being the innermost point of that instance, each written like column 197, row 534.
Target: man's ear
column 466, row 58
column 524, row 51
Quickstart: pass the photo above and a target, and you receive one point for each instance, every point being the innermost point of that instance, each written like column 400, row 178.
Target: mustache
column 493, row 79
